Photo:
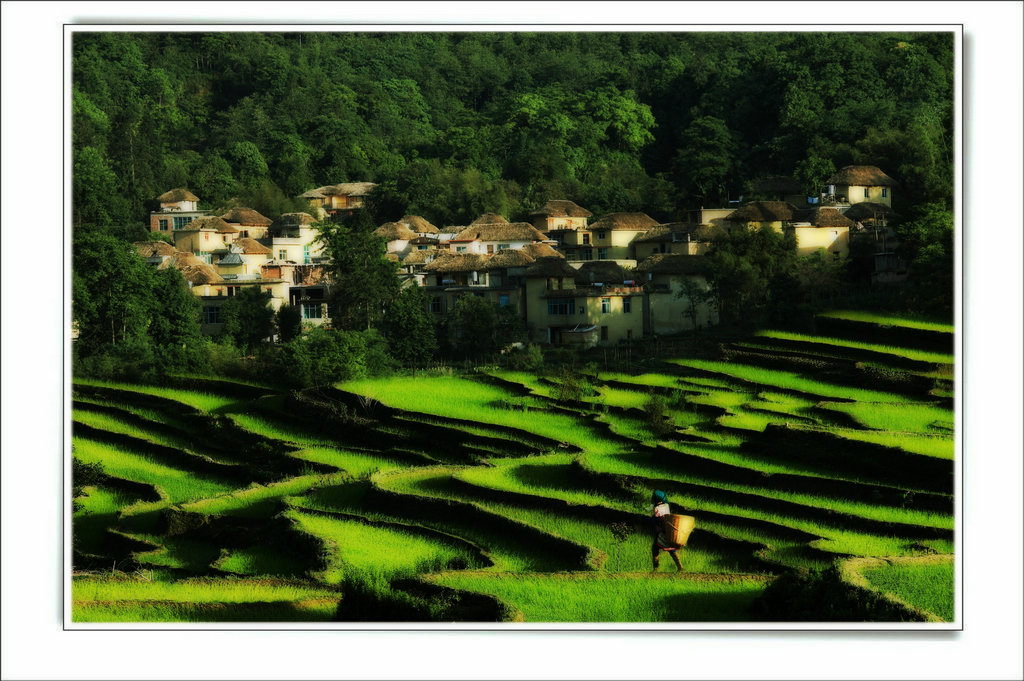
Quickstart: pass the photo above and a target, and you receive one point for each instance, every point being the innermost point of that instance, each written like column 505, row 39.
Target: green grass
column 590, row 597
column 276, row 430
column 889, row 320
column 908, row 353
column 135, row 599
column 617, row 397
column 897, row 417
column 175, row 485
column 113, row 424
column 928, row 586
column 353, row 546
column 443, row 395
column 938, row 446
column 356, row 464
column 652, row 380
column 204, row 401
column 245, row 501
column 259, row 560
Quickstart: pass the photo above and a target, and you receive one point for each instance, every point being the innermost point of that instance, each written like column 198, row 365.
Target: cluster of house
column 574, row 282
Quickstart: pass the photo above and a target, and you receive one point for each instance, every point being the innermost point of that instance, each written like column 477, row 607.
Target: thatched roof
column 292, row 220
column 606, row 272
column 423, row 241
column 777, row 184
column 419, row 257
column 763, row 211
column 562, row 208
column 342, row 189
column 638, row 222
column 418, row 224
column 192, row 268
column 500, row 231
column 669, row 263
column 148, row 249
column 677, row 231
column 867, row 210
column 176, row 195
column 250, row 247
column 861, row 176
column 488, row 219
column 246, row 216
column 550, row 267
column 457, row 262
column 393, row 257
column 509, row 257
column 394, row 231
column 538, row 251
column 209, row 222
column 823, row 216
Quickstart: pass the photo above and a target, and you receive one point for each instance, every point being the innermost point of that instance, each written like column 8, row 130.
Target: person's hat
column 659, row 497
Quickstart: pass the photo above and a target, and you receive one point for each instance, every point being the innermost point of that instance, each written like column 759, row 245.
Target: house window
column 163, row 225
column 885, row 192
column 588, row 254
column 502, row 247
column 602, row 254
column 503, row 300
column 206, row 236
column 211, row 314
column 627, row 305
column 435, row 304
column 490, row 249
column 282, row 254
column 206, row 257
column 560, row 306
column 312, row 311
column 600, row 235
column 460, row 249
column 604, row 333
column 586, row 239
column 243, row 234
column 606, row 305
column 305, row 254
column 179, row 223
column 866, row 195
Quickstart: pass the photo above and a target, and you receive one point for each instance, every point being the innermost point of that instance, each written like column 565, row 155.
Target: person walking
column 659, row 511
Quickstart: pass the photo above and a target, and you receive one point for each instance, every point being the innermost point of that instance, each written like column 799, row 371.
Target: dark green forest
column 454, row 124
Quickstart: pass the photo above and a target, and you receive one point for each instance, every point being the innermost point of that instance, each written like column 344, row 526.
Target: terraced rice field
column 482, row 497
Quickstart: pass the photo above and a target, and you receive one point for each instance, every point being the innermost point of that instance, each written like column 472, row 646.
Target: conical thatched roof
column 250, row 247
column 862, row 176
column 559, row 208
column 500, row 231
column 668, row 263
column 538, row 251
column 394, row 231
column 777, row 184
column 823, row 217
column 627, row 221
column 209, row 222
column 246, row 216
column 509, row 257
column 148, row 249
column 488, row 219
column 292, row 220
column 418, row 224
column 550, row 267
column 763, row 211
column 457, row 262
column 867, row 210
column 175, row 195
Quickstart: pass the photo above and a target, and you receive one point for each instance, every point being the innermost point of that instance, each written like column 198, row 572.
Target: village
column 573, row 278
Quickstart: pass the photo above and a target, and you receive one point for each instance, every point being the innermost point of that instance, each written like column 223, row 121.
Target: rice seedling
column 652, row 380
column 309, row 610
column 938, row 446
column 385, row 552
column 461, row 398
column 617, row 397
column 888, row 320
column 278, row 430
column 602, row 597
column 174, row 484
column 896, row 417
column 907, row 353
column 113, row 424
column 528, row 380
column 929, row 586
column 204, row 401
column 726, row 399
column 177, row 552
column 259, row 560
column 749, row 420
column 245, row 501
column 356, row 464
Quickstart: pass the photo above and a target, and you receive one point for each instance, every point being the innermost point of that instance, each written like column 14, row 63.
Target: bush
column 659, row 423
column 324, row 356
column 528, row 358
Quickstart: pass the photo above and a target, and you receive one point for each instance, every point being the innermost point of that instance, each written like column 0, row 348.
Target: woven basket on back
column 678, row 528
